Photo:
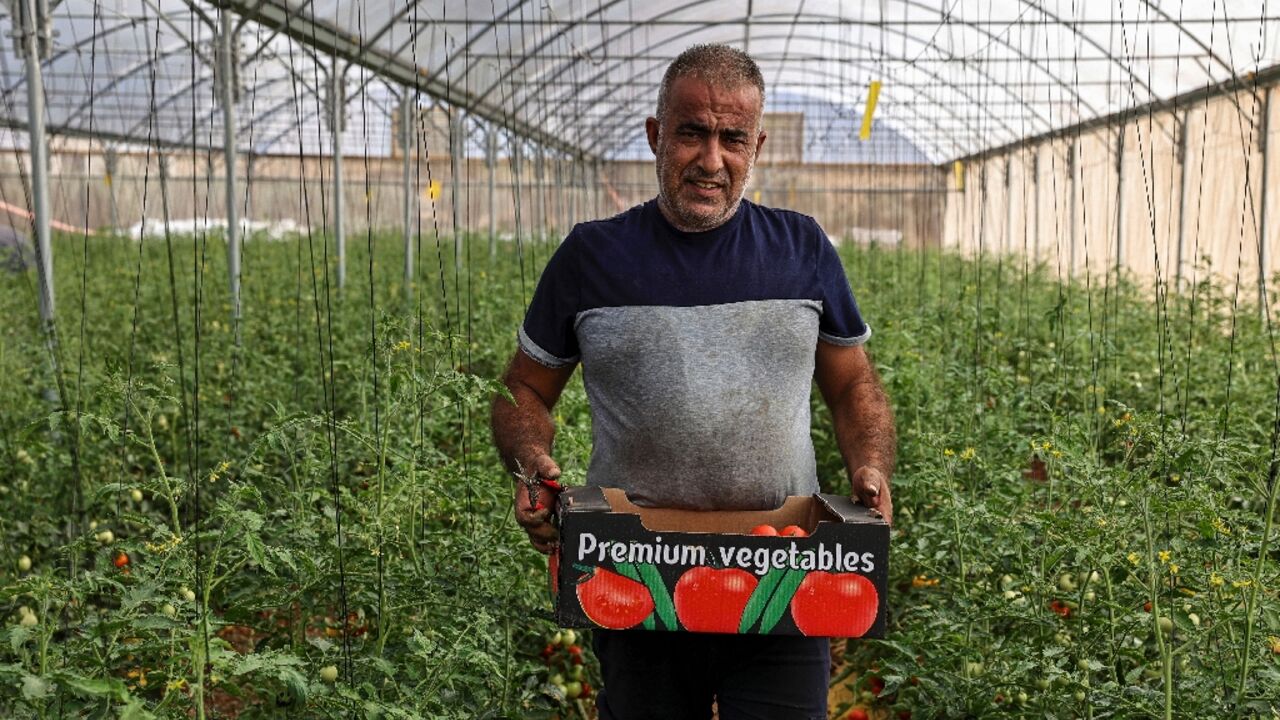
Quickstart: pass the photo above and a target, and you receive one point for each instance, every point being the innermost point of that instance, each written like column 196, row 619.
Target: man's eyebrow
column 693, row 125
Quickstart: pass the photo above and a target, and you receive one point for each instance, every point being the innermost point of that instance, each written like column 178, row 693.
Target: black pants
column 675, row 676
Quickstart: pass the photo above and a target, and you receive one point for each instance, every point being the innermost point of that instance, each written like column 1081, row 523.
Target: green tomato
column 570, row 637
column 169, row 610
column 1066, row 583
column 1042, row 683
column 973, row 668
column 1165, row 624
column 572, row 689
column 24, row 564
column 575, row 673
column 557, row 639
column 187, row 594
column 106, row 537
column 135, row 495
column 1079, row 696
column 557, row 679
column 329, row 674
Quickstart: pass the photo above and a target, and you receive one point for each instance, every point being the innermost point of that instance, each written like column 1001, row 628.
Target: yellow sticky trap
column 958, row 168
column 755, row 197
column 433, row 190
column 873, row 96
column 106, row 179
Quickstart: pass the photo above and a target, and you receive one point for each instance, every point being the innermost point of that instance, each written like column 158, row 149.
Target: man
column 701, row 322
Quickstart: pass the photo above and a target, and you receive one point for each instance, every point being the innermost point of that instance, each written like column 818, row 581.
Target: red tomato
column 121, row 560
column 764, row 530
column 794, row 531
column 834, row 604
column 613, row 601
column 710, row 600
column 875, row 684
column 857, row 714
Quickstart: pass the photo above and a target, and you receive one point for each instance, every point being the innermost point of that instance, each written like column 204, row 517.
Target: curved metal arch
column 933, row 101
column 614, row 87
column 608, row 142
column 565, row 66
column 993, row 37
column 120, row 78
column 368, row 80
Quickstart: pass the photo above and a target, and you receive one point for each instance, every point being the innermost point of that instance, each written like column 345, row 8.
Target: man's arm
column 523, row 433
column 863, row 421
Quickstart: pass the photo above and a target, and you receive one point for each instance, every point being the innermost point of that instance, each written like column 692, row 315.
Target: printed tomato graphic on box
column 625, row 567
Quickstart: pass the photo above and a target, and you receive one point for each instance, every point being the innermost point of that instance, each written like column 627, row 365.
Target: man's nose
column 711, row 157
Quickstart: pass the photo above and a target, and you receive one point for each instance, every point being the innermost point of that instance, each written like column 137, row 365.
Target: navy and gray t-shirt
column 697, row 350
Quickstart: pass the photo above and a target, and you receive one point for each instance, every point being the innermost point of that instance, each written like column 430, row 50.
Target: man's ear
column 651, row 129
column 760, row 142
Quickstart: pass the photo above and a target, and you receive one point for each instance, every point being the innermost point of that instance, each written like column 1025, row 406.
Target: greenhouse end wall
column 882, row 203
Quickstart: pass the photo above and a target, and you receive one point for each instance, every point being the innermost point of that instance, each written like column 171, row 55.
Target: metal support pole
column 539, row 173
column 111, row 165
column 229, row 91
column 491, row 164
column 1264, row 220
column 1119, row 263
column 1035, row 203
column 1184, row 161
column 337, row 122
column 455, row 197
column 1008, row 204
column 408, row 112
column 1073, row 165
column 33, row 26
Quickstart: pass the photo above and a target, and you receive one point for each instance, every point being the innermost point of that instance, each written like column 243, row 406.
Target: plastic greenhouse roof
column 958, row 76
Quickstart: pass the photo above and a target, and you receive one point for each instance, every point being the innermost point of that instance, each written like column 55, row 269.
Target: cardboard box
column 623, row 566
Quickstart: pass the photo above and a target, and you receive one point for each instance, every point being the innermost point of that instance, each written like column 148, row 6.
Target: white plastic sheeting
column 959, row 76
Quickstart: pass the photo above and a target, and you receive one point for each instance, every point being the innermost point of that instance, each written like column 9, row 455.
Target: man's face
column 705, row 148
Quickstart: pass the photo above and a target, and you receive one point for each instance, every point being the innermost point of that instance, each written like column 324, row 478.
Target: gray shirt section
column 702, row 407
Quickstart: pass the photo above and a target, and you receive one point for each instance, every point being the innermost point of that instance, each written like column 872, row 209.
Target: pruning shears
column 532, row 482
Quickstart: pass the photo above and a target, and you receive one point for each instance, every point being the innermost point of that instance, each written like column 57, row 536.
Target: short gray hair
column 719, row 65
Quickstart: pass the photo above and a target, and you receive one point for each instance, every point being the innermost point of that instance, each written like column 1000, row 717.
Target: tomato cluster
column 771, row 531
column 566, row 666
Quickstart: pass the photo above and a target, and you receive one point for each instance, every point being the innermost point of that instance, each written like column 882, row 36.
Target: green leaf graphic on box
column 781, row 599
column 760, row 598
column 662, row 605
column 629, row 571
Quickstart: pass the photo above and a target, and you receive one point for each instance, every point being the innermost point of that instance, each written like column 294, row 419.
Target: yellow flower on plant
column 1173, row 568
column 1134, row 558
column 1241, row 583
column 402, row 346
column 948, row 452
column 968, row 454
column 1164, row 556
column 1216, row 580
column 923, row 581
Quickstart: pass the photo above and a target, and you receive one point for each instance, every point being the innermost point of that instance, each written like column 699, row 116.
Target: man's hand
column 535, row 517
column 523, row 432
column 871, row 488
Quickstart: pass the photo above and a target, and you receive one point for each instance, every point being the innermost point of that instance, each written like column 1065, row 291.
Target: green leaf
column 760, row 598
column 294, row 683
column 781, row 599
column 662, row 605
column 136, row 710
column 256, row 551
column 34, row 688
column 111, row 688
